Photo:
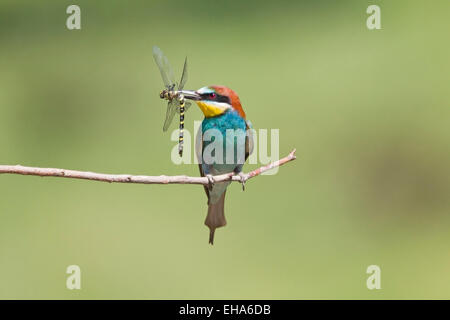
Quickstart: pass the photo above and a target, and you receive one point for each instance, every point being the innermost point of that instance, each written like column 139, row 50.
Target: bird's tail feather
column 216, row 217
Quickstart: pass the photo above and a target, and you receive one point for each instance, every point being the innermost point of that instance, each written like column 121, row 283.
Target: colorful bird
column 223, row 111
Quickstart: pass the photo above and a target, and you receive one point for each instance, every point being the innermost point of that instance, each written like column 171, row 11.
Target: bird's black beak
column 191, row 95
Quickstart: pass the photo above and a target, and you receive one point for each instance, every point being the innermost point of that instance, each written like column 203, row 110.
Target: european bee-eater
column 223, row 111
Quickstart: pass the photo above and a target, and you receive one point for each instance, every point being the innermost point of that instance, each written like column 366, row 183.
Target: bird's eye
column 212, row 95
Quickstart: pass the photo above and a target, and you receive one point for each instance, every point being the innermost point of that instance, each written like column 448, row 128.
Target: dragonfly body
column 168, row 94
column 176, row 102
column 181, row 130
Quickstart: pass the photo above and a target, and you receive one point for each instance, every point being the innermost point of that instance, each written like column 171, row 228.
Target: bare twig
column 126, row 178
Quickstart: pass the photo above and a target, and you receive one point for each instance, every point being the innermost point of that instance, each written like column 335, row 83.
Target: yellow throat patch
column 210, row 110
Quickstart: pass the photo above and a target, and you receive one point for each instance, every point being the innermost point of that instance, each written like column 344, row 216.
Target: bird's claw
column 243, row 179
column 210, row 181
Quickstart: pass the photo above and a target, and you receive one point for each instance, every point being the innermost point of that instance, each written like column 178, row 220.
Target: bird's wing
column 249, row 141
column 198, row 152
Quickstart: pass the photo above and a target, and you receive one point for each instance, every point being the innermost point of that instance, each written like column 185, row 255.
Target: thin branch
column 126, row 178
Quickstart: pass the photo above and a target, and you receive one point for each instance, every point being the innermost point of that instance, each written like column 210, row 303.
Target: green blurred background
column 368, row 112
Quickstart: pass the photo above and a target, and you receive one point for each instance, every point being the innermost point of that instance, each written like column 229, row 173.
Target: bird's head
column 215, row 100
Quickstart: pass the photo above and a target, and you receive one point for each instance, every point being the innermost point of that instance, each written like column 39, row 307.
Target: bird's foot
column 210, row 181
column 244, row 178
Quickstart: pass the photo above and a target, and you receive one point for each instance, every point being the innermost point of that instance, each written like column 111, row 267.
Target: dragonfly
column 173, row 93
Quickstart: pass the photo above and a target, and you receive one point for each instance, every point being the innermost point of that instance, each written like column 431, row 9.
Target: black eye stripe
column 225, row 99
column 218, row 98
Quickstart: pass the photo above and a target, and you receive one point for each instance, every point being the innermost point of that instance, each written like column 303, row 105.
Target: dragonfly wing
column 184, row 76
column 172, row 107
column 164, row 67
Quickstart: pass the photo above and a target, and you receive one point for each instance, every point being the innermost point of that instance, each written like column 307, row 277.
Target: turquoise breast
column 233, row 143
